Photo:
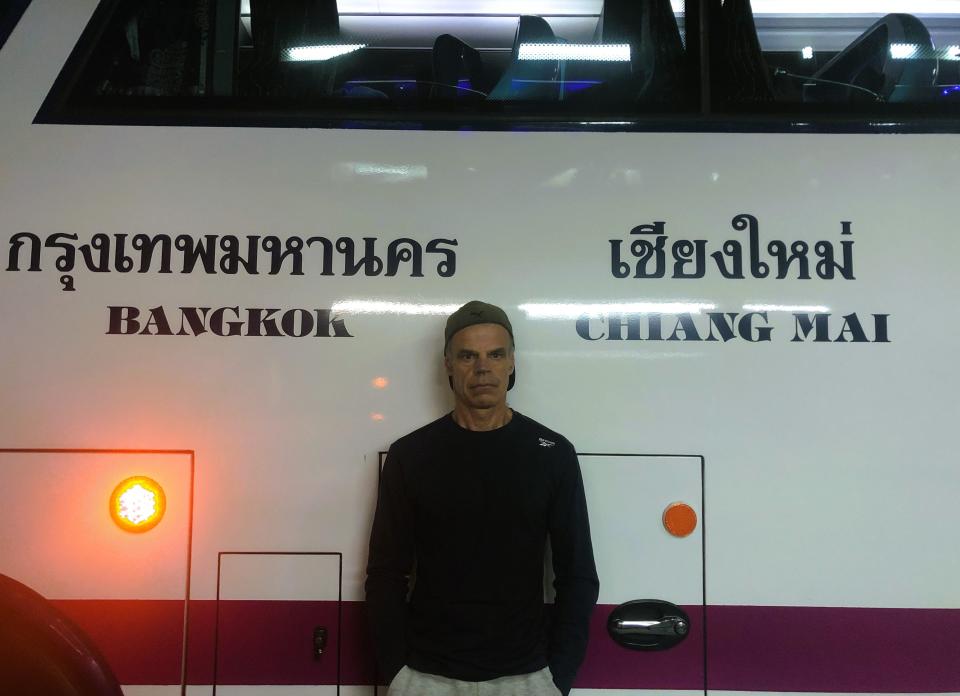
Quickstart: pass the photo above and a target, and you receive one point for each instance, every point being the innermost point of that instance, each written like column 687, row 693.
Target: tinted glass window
column 486, row 57
column 836, row 55
column 155, row 48
column 464, row 53
column 588, row 63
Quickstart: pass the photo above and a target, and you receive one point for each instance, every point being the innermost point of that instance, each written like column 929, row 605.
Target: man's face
column 479, row 361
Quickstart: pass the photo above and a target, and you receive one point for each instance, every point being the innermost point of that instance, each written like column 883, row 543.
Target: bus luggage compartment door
column 278, row 623
column 646, row 520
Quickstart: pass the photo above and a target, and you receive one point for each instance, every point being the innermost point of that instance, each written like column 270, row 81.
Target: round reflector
column 680, row 519
column 137, row 504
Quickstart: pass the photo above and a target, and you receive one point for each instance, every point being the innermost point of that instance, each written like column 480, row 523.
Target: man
column 467, row 504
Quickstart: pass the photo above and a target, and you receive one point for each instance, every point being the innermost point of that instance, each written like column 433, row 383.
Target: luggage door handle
column 667, row 626
column 648, row 624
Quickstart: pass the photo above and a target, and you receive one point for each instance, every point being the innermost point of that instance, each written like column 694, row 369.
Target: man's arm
column 388, row 569
column 575, row 574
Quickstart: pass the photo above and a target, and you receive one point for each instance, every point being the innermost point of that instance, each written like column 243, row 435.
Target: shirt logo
column 546, row 443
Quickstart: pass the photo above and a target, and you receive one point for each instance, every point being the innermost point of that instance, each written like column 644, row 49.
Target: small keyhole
column 319, row 641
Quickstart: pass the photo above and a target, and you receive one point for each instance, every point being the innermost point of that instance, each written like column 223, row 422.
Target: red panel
column 142, row 641
column 611, row 666
column 834, row 649
column 798, row 649
column 270, row 642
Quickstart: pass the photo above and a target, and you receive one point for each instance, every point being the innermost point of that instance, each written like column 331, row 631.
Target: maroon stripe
column 609, row 666
column 141, row 640
column 203, row 617
column 279, row 635
column 833, row 649
column 749, row 648
column 270, row 642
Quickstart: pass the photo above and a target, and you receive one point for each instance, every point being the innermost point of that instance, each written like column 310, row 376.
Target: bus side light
column 137, row 504
column 680, row 519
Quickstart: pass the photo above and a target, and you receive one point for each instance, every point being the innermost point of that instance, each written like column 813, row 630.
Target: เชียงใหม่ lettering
column 230, row 254
column 689, row 259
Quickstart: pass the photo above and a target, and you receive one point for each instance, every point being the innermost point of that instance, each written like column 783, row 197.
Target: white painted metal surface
column 280, row 577
column 56, row 534
column 637, row 558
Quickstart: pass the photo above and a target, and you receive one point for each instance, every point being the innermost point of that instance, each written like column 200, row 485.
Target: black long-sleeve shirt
column 469, row 513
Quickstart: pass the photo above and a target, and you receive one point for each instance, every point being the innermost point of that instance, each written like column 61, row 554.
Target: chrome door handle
column 667, row 626
column 648, row 624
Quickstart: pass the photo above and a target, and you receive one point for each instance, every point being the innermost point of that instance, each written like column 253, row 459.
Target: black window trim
column 9, row 17
column 234, row 112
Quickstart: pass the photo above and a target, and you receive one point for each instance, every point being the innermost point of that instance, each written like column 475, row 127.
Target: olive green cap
column 477, row 312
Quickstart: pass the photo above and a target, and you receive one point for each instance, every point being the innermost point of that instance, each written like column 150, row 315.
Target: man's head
column 478, row 354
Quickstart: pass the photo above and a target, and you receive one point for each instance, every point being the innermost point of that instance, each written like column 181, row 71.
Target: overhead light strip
column 310, row 54
column 903, row 50
column 574, row 8
column 588, row 52
column 805, row 8
column 588, row 8
column 471, row 7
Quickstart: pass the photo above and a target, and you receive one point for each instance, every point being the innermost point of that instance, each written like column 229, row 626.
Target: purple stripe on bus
column 141, row 640
column 610, row 666
column 270, row 642
column 844, row 650
column 750, row 648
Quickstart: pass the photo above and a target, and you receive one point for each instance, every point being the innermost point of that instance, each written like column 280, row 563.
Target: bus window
column 155, row 48
column 574, row 64
column 402, row 60
column 819, row 57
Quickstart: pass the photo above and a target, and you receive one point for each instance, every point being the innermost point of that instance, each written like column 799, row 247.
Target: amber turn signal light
column 679, row 519
column 137, row 504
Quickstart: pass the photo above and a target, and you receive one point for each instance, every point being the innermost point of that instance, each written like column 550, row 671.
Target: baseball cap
column 477, row 312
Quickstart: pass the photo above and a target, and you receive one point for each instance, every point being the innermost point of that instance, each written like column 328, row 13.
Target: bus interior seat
column 142, row 35
column 457, row 69
column 656, row 64
column 869, row 63
column 739, row 72
column 530, row 80
column 278, row 25
column 43, row 652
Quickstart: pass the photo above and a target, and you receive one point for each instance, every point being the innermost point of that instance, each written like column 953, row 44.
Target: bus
column 232, row 231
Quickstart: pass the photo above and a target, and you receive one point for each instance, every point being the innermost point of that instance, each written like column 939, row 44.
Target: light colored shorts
column 410, row 682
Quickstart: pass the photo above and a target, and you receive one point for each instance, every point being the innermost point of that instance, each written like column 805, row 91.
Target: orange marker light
column 380, row 382
column 679, row 519
column 137, row 504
